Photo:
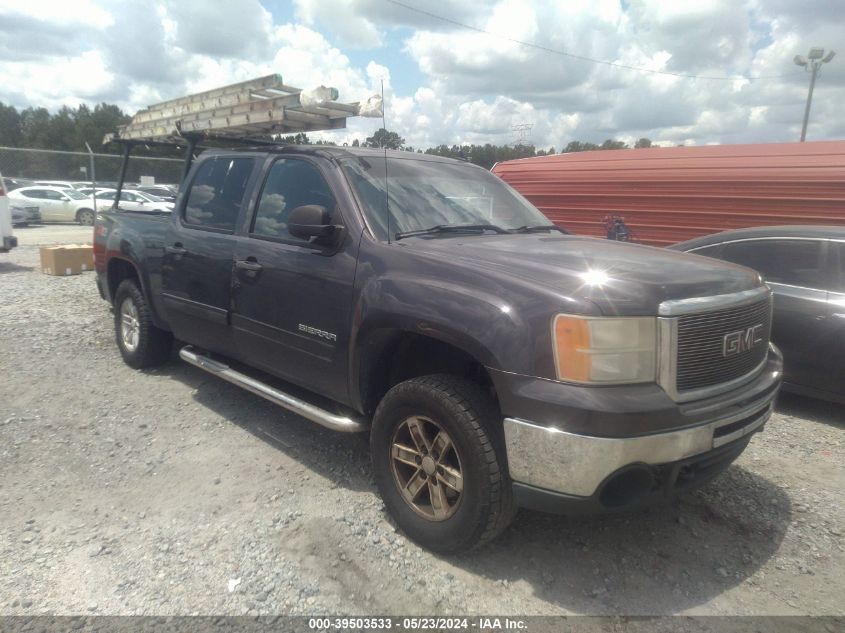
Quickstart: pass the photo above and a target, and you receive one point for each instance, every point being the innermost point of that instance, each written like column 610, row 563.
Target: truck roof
column 338, row 152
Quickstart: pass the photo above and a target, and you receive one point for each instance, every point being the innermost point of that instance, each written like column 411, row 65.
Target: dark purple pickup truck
column 495, row 360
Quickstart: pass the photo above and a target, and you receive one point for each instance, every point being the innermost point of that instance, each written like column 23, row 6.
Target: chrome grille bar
column 692, row 338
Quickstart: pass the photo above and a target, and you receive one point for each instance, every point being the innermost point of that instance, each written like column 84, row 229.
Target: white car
column 132, row 200
column 61, row 184
column 87, row 190
column 57, row 204
column 7, row 240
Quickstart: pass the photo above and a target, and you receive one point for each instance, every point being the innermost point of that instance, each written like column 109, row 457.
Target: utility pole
column 812, row 64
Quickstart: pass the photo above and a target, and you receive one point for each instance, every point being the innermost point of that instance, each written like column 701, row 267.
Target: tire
column 85, row 217
column 484, row 505
column 140, row 342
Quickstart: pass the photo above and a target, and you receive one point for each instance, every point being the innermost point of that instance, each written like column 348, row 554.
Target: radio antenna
column 384, row 147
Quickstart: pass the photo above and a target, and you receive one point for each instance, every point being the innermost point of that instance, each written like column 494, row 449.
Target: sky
column 454, row 71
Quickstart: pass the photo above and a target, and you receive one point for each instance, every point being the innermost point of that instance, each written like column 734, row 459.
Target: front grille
column 701, row 345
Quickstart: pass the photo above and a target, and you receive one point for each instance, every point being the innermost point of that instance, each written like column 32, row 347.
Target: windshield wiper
column 540, row 227
column 451, row 228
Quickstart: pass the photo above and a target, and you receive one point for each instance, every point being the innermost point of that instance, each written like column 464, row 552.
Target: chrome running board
column 346, row 424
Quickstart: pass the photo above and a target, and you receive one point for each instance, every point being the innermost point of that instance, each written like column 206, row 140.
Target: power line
column 540, row 47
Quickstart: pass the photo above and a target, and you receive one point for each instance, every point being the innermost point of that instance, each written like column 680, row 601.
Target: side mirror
column 312, row 220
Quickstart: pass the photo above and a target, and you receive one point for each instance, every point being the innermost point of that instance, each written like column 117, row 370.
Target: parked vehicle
column 805, row 268
column 24, row 216
column 160, row 191
column 62, row 184
column 133, row 200
column 88, row 190
column 7, row 240
column 495, row 360
column 16, row 183
column 57, row 204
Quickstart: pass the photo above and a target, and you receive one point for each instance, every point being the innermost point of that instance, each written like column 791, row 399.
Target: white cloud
column 475, row 86
column 343, row 20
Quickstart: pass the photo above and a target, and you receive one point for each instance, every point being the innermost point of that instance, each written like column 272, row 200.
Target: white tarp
column 317, row 96
column 372, row 107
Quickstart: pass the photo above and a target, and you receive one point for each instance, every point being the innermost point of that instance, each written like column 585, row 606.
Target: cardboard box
column 70, row 259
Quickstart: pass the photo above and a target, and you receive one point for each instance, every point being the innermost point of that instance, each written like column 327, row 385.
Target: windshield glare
column 427, row 193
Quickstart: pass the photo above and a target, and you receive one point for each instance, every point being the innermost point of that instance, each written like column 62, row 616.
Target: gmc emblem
column 741, row 341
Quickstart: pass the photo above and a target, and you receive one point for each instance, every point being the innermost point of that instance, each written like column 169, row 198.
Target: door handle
column 249, row 267
column 177, row 249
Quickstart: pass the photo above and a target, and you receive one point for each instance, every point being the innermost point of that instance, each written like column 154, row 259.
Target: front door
column 795, row 270
column 833, row 358
column 292, row 298
column 62, row 206
column 199, row 253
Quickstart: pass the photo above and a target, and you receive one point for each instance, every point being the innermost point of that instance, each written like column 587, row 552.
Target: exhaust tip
column 627, row 487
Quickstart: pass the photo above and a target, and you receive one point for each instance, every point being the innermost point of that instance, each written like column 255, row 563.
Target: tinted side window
column 217, row 192
column 291, row 183
column 36, row 194
column 793, row 262
column 53, row 195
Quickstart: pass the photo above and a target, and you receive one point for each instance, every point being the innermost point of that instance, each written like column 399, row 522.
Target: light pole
column 812, row 64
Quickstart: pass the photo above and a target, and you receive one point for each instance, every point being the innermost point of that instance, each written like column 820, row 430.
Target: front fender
column 473, row 320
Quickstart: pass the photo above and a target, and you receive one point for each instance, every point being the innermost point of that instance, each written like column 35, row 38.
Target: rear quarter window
column 217, row 192
column 785, row 261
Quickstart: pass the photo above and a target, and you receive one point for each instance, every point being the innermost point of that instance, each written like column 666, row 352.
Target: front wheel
column 439, row 462
column 140, row 342
column 85, row 217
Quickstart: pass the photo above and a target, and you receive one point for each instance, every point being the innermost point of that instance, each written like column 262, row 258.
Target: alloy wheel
column 426, row 468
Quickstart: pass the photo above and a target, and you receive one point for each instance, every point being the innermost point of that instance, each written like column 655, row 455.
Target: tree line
column 485, row 155
column 69, row 128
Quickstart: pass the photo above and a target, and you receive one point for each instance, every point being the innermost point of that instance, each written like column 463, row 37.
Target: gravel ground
column 171, row 492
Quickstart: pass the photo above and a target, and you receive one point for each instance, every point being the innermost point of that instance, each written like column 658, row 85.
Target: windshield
column 427, row 193
column 73, row 193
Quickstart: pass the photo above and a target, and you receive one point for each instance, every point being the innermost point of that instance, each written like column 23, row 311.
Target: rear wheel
column 85, row 217
column 141, row 343
column 439, row 462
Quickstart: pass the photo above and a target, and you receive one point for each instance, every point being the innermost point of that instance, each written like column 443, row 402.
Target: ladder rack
column 259, row 108
column 251, row 111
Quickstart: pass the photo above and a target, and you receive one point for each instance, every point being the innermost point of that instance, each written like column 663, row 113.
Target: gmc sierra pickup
column 495, row 360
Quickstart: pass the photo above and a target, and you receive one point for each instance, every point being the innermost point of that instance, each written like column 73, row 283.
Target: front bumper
column 558, row 464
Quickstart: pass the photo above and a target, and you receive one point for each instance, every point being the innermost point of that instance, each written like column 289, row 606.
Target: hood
column 620, row 278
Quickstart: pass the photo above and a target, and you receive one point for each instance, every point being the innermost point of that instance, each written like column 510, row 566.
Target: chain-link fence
column 26, row 164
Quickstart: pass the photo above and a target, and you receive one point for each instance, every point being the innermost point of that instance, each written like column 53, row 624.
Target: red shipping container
column 667, row 195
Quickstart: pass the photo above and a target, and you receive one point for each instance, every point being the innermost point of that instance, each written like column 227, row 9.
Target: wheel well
column 79, row 211
column 393, row 356
column 118, row 271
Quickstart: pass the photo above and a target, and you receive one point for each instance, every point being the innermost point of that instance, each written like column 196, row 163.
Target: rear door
column 48, row 206
column 796, row 271
column 293, row 298
column 199, row 252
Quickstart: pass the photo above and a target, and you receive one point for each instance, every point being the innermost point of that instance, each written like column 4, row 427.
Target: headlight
column 605, row 350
